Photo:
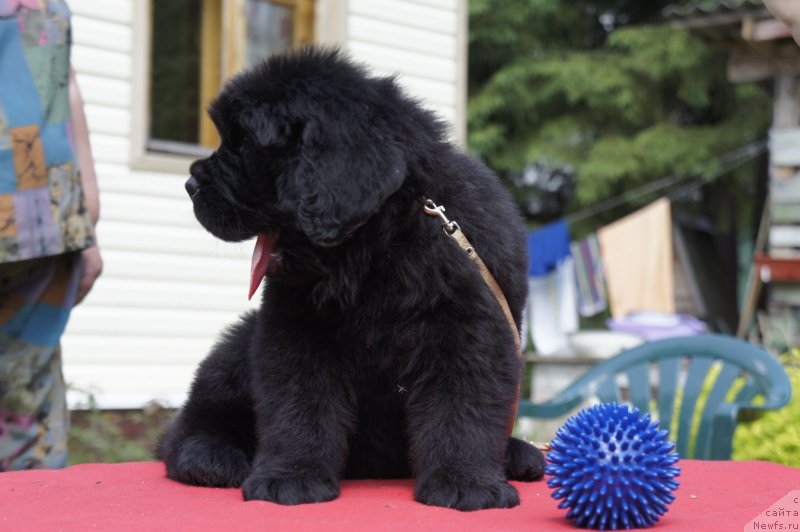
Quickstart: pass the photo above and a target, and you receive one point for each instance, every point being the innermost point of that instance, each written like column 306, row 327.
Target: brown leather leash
column 453, row 230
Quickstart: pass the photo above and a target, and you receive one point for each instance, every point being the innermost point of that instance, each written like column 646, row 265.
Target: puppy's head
column 310, row 148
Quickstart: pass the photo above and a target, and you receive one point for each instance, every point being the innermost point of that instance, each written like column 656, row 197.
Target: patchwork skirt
column 36, row 298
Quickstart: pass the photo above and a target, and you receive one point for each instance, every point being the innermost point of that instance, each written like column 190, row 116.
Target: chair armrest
column 725, row 421
column 556, row 407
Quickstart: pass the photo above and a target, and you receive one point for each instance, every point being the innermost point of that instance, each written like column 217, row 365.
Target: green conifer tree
column 604, row 90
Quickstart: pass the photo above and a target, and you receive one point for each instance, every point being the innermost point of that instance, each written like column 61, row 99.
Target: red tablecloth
column 718, row 496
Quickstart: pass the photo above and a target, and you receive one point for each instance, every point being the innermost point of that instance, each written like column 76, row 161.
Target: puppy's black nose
column 192, row 184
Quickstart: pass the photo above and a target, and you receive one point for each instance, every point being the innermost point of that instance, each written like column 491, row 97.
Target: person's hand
column 92, row 267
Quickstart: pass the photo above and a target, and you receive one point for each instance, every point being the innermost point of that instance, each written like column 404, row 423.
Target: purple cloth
column 655, row 326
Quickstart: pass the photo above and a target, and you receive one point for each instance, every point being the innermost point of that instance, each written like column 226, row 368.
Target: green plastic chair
column 681, row 366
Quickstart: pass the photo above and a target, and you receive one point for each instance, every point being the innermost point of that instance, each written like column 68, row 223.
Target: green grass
column 109, row 436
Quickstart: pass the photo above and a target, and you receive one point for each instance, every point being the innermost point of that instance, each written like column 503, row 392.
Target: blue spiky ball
column 613, row 468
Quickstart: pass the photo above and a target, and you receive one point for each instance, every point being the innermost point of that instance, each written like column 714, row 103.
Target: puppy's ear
column 343, row 177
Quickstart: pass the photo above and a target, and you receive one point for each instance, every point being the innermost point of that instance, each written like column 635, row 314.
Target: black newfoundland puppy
column 378, row 350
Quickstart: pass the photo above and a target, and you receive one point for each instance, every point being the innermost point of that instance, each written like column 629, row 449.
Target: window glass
column 175, row 71
column 270, row 29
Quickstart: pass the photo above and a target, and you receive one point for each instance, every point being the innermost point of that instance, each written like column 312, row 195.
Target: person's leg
column 36, row 298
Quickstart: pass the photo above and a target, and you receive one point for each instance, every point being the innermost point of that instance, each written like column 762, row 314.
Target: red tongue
column 261, row 258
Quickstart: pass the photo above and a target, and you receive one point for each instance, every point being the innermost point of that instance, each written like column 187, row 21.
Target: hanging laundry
column 637, row 261
column 589, row 278
column 547, row 247
column 523, row 328
column 552, row 312
column 552, row 308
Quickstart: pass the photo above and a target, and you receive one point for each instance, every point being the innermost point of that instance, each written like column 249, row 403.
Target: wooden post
column 234, row 28
column 210, row 67
column 303, row 22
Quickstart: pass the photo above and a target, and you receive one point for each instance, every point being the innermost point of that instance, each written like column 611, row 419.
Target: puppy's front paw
column 290, row 490
column 465, row 494
column 523, row 461
column 206, row 461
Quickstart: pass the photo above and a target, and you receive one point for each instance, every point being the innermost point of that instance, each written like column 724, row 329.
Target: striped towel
column 589, row 278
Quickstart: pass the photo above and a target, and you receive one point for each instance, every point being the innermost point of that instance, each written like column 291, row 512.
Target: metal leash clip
column 431, row 209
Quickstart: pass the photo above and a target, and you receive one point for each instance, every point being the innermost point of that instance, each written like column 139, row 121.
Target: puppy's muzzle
column 192, row 186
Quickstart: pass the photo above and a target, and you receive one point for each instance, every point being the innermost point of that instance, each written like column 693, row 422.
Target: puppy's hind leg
column 204, row 459
column 523, row 461
column 211, row 441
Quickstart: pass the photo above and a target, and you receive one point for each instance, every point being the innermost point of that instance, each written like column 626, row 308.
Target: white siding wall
column 420, row 40
column 168, row 287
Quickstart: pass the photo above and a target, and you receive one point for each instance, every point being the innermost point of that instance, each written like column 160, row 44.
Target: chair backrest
column 726, row 374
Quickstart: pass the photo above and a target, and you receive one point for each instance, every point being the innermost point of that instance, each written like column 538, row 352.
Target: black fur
column 378, row 351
